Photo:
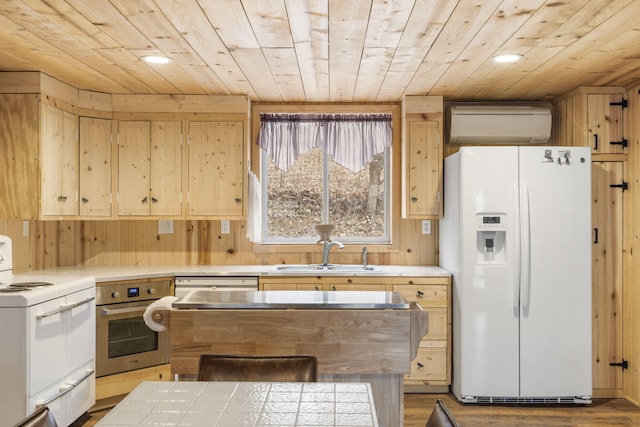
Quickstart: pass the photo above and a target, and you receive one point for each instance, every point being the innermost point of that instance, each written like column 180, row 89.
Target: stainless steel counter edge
column 132, row 272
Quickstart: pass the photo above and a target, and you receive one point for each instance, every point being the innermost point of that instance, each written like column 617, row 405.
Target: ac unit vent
column 498, row 124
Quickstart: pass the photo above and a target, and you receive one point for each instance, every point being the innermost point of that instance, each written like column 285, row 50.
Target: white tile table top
column 248, row 404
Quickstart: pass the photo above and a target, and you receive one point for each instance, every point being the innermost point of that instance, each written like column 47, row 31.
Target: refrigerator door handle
column 525, row 260
column 517, row 259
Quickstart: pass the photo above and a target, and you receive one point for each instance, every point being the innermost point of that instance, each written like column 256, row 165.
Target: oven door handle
column 64, row 308
column 114, row 311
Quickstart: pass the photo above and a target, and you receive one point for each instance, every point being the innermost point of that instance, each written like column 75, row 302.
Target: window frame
column 395, row 171
column 388, row 220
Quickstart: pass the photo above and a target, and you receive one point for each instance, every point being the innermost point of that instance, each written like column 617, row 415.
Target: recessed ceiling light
column 507, row 58
column 156, row 59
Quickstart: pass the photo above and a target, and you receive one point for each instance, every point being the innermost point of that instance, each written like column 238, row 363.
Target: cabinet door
column 607, row 213
column 166, row 168
column 604, row 123
column 95, row 167
column 216, row 169
column 59, row 160
column 134, row 167
column 423, row 169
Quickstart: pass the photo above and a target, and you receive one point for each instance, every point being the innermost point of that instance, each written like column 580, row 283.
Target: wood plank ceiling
column 326, row 50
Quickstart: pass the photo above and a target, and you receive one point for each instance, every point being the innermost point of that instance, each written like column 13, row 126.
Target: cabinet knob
column 419, row 294
column 333, row 288
column 85, row 200
column 144, row 200
column 414, row 199
column 115, row 294
column 151, row 291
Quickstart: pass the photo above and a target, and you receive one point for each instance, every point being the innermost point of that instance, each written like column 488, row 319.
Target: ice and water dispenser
column 491, row 231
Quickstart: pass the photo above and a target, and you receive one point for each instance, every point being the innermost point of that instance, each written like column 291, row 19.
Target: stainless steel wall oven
column 123, row 341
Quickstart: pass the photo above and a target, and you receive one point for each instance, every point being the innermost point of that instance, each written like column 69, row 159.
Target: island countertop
column 333, row 300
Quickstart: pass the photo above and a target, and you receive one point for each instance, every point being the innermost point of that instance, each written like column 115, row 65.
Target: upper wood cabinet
column 59, row 161
column 95, row 167
column 150, row 168
column 217, row 169
column 422, row 157
column 592, row 117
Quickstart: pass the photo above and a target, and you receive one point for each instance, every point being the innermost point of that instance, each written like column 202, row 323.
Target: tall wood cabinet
column 422, row 157
column 596, row 117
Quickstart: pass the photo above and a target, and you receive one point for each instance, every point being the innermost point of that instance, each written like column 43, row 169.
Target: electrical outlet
column 165, row 226
column 225, row 227
column 426, row 226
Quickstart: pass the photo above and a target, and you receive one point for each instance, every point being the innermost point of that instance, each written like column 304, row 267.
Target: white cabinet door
column 48, row 349
column 81, row 339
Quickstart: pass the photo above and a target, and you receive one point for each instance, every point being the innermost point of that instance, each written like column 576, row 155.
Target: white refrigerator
column 516, row 236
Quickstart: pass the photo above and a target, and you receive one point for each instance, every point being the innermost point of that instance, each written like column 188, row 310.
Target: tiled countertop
column 206, row 404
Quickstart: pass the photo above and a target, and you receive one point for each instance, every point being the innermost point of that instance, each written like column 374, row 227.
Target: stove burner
column 28, row 285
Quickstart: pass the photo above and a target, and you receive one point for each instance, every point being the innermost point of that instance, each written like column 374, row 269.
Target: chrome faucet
column 326, row 246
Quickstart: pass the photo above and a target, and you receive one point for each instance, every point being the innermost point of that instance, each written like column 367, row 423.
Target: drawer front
column 438, row 325
column 425, row 295
column 429, row 365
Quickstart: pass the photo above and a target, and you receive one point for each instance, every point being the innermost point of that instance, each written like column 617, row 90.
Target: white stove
column 48, row 326
column 26, row 290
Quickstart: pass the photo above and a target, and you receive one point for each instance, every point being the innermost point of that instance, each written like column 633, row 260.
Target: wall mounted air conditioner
column 498, row 124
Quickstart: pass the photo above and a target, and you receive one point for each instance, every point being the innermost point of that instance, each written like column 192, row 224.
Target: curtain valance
column 352, row 140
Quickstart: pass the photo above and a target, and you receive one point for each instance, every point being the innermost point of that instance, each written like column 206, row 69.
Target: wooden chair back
column 225, row 367
column 441, row 417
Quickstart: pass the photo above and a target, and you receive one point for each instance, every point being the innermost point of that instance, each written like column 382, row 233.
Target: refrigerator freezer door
column 555, row 331
column 486, row 324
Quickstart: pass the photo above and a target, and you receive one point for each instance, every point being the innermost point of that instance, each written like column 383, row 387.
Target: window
column 311, row 185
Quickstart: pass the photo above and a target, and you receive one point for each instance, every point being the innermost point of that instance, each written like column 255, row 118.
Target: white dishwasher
column 185, row 284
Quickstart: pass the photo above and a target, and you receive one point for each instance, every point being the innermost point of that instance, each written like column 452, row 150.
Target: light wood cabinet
column 592, row 117
column 217, row 169
column 59, row 161
column 95, row 167
column 40, row 143
column 422, row 157
column 607, row 252
column 431, row 369
column 150, row 168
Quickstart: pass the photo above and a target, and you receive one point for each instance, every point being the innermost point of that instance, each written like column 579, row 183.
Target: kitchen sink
column 324, row 269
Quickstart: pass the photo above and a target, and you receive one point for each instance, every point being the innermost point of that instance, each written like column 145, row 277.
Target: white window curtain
column 352, row 140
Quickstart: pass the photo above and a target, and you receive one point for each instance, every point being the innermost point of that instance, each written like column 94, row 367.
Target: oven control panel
column 131, row 291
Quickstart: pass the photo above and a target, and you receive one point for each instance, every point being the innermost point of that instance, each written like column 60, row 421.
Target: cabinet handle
column 144, row 200
column 419, row 294
column 85, row 200
column 68, row 387
column 62, row 198
column 333, row 288
column 154, row 200
column 595, row 239
column 414, row 199
column 420, row 365
column 64, row 308
column 595, row 141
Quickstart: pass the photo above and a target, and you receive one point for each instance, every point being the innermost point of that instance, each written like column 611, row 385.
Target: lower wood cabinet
column 431, row 369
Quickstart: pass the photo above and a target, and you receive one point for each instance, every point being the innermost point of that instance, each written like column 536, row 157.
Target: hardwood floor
column 417, row 408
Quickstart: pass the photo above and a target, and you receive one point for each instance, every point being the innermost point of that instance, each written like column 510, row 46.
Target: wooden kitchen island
column 356, row 336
